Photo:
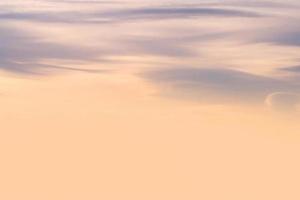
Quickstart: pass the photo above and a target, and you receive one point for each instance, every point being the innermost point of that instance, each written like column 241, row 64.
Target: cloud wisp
column 175, row 34
column 292, row 69
column 181, row 12
column 127, row 14
column 22, row 52
column 219, row 85
column 283, row 101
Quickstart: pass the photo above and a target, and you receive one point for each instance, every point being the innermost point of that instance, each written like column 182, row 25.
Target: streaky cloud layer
column 99, row 36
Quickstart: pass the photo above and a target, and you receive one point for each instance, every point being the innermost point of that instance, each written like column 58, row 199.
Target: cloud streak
column 182, row 12
column 125, row 15
column 218, row 85
column 22, row 52
column 293, row 69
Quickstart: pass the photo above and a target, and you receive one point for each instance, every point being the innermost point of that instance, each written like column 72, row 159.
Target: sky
column 149, row 99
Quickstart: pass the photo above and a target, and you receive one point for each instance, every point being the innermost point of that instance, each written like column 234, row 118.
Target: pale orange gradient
column 97, row 137
column 149, row 100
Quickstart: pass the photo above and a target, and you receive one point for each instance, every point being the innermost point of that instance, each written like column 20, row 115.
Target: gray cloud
column 293, row 69
column 286, row 36
column 283, row 101
column 285, row 32
column 21, row 52
column 54, row 17
column 113, row 16
column 211, row 84
column 159, row 46
column 182, row 12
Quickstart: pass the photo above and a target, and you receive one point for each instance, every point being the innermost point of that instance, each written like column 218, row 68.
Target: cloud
column 182, row 12
column 124, row 15
column 293, row 69
column 287, row 36
column 272, row 32
column 21, row 52
column 159, row 45
column 53, row 17
column 218, row 85
column 283, row 101
column 23, row 49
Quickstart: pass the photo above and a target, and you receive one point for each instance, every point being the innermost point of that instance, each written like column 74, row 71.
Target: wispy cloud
column 22, row 52
column 178, row 34
column 182, row 12
column 293, row 69
column 219, row 84
column 125, row 15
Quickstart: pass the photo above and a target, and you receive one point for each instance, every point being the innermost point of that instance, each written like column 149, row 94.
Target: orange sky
column 149, row 100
